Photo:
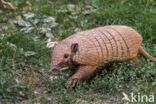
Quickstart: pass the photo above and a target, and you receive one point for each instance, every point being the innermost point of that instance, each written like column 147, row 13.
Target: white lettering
column 151, row 98
column 142, row 98
column 133, row 97
column 138, row 98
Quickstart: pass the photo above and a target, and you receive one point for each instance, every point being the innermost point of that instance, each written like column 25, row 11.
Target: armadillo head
column 62, row 54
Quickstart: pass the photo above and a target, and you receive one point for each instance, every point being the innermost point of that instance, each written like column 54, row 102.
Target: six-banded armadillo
column 93, row 48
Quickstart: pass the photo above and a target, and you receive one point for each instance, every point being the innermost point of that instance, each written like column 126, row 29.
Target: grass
column 25, row 59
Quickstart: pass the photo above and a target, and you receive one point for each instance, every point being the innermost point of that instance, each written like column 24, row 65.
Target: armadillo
column 94, row 48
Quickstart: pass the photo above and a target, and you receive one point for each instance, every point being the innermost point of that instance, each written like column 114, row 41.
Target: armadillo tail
column 145, row 54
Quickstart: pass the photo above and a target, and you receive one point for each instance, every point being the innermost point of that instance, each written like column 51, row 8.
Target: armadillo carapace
column 93, row 48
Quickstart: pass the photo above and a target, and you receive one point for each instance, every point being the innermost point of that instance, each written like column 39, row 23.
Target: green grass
column 22, row 75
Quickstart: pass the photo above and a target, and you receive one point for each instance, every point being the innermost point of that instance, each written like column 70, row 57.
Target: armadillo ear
column 74, row 47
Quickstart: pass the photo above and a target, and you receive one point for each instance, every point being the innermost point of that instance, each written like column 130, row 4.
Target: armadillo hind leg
column 83, row 72
column 146, row 55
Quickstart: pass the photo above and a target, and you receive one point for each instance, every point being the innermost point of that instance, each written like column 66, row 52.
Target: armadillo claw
column 73, row 81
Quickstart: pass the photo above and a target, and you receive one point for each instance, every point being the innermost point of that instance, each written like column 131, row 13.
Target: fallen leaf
column 28, row 3
column 30, row 53
column 8, row 5
column 51, row 44
column 49, row 35
column 71, row 7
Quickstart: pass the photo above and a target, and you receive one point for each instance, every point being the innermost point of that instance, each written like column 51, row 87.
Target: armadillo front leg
column 82, row 73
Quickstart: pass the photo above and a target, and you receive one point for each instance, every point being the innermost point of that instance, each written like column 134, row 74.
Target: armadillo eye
column 66, row 55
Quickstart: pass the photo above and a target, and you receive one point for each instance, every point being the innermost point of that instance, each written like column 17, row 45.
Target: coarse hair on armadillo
column 104, row 44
